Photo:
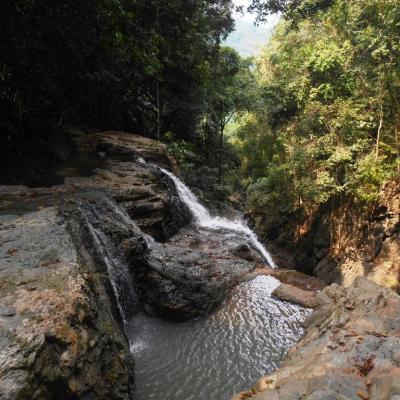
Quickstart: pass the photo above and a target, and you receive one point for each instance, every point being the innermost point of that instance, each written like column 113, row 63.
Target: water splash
column 204, row 219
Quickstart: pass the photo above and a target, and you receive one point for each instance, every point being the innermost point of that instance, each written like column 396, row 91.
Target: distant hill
column 247, row 39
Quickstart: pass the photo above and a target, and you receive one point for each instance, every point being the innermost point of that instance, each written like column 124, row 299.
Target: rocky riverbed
column 351, row 350
column 78, row 259
column 64, row 252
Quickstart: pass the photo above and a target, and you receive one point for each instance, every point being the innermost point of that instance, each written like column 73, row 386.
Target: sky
column 248, row 39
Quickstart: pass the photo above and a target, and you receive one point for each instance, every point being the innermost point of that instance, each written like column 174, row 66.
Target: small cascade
column 117, row 269
column 204, row 219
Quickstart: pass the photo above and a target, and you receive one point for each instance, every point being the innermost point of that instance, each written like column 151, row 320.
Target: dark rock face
column 180, row 279
column 351, row 350
column 189, row 275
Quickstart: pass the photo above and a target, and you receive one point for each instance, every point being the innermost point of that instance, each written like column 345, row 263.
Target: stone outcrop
column 351, row 350
column 295, row 295
column 295, row 287
column 346, row 240
column 79, row 258
column 183, row 278
column 58, row 331
column 191, row 274
column 61, row 331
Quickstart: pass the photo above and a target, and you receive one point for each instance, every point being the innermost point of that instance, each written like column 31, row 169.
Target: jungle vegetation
column 312, row 120
column 325, row 126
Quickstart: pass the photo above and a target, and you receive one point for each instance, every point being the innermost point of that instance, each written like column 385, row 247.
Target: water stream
column 204, row 219
column 213, row 357
column 117, row 270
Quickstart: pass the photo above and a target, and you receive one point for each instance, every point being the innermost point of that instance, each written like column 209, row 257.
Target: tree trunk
column 220, row 150
column 378, row 136
column 158, row 133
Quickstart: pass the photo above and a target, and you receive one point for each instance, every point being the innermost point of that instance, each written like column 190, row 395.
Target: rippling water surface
column 212, row 358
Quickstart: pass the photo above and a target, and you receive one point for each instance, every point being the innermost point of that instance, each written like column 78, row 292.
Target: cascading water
column 215, row 356
column 204, row 219
column 117, row 270
column 210, row 357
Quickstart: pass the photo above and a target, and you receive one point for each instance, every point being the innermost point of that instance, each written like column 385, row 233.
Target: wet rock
column 244, row 251
column 52, row 304
column 350, row 350
column 183, row 278
column 191, row 274
column 295, row 295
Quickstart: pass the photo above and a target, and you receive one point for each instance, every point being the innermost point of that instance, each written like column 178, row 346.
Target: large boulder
column 183, row 278
column 191, row 274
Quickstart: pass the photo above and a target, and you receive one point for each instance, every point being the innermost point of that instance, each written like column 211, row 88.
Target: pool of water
column 214, row 357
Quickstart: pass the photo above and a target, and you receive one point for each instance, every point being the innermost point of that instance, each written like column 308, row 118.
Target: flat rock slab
column 293, row 278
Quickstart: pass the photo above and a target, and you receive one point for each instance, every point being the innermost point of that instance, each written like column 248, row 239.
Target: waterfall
column 204, row 219
column 117, row 269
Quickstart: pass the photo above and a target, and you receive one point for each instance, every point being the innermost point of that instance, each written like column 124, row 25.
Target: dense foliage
column 327, row 126
column 134, row 65
column 316, row 117
column 292, row 10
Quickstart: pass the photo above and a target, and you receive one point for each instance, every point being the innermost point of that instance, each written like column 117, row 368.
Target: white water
column 118, row 271
column 204, row 219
